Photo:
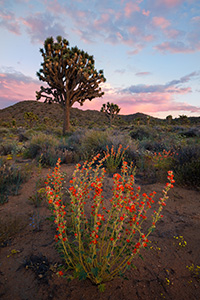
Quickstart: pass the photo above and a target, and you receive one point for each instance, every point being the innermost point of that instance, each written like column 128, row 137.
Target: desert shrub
column 190, row 133
column 38, row 197
column 9, row 227
column 5, row 124
column 72, row 144
column 189, row 174
column 31, row 119
column 4, row 131
column 11, row 177
column 152, row 145
column 177, row 129
column 41, row 143
column 7, row 147
column 187, row 166
column 50, row 154
column 94, row 142
column 142, row 132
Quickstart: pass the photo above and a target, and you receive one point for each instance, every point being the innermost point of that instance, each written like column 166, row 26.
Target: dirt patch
column 29, row 261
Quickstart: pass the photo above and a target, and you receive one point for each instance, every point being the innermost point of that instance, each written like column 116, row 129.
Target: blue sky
column 149, row 50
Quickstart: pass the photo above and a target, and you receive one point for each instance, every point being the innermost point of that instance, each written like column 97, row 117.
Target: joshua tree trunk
column 66, row 123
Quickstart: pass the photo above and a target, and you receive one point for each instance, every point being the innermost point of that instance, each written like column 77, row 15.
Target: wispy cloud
column 120, row 71
column 130, row 8
column 9, row 21
column 143, row 73
column 161, row 22
column 177, row 47
column 168, row 3
column 172, row 87
column 42, row 25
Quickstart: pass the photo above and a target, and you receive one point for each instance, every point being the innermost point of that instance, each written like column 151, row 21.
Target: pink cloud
column 54, row 6
column 133, row 29
column 148, row 38
column 10, row 22
column 17, row 87
column 160, row 22
column 131, row 8
column 146, row 12
column 40, row 26
column 173, row 33
column 101, row 21
column 196, row 19
column 143, row 73
column 136, row 50
column 176, row 47
column 168, row 3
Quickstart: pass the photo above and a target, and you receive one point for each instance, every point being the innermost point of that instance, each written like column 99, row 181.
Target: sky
column 149, row 50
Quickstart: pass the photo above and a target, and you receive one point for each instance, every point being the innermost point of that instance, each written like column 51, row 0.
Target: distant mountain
column 54, row 114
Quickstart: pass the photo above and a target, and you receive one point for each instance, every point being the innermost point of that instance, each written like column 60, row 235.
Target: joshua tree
column 184, row 119
column 70, row 75
column 169, row 119
column 111, row 110
column 30, row 118
column 148, row 120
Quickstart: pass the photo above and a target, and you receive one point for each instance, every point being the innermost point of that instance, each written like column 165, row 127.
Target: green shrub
column 7, row 147
column 191, row 132
column 40, row 143
column 94, row 142
column 9, row 227
column 11, row 177
column 187, row 166
column 142, row 132
column 4, row 131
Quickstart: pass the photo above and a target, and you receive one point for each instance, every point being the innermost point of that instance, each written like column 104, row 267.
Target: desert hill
column 53, row 113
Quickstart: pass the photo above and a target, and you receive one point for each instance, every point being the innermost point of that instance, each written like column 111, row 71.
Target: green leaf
column 95, row 271
column 133, row 266
column 82, row 275
column 141, row 256
column 125, row 278
column 89, row 260
column 101, row 287
column 70, row 278
column 121, row 274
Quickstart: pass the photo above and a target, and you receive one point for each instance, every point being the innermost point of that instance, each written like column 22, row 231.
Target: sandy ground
column 29, row 260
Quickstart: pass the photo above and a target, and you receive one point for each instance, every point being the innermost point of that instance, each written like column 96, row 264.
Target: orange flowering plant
column 163, row 159
column 114, row 158
column 100, row 240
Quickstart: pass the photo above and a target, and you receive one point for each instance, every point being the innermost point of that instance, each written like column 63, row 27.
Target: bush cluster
column 84, row 143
